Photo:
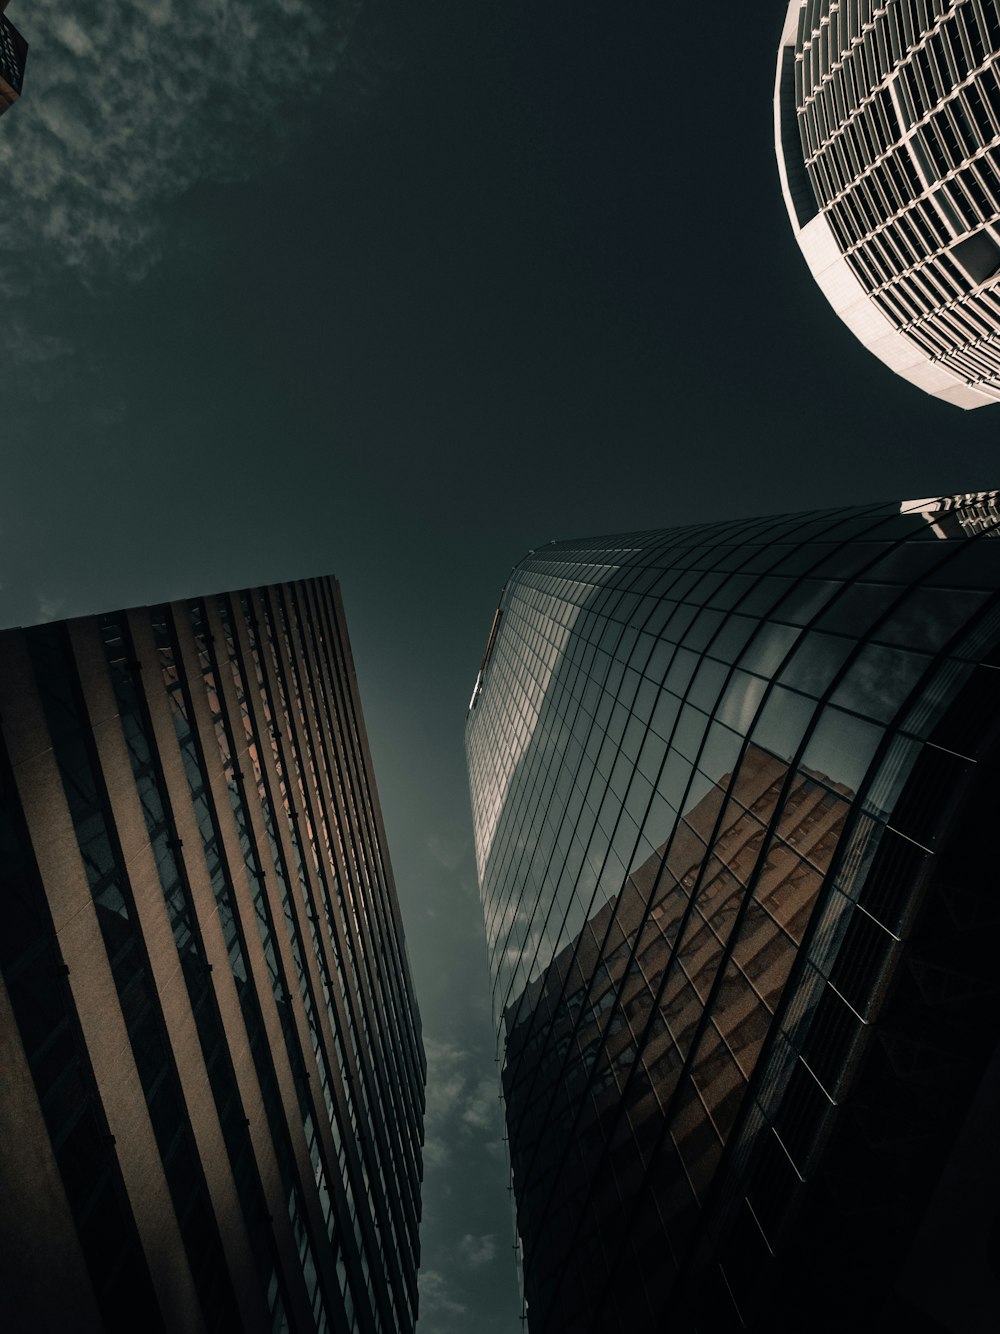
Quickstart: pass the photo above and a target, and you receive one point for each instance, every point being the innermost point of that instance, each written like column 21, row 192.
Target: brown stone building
column 211, row 1116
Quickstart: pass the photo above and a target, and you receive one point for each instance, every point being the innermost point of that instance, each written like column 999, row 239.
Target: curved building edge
column 830, row 269
column 896, row 813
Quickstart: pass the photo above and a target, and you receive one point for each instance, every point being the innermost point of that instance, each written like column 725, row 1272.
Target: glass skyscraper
column 732, row 789
column 211, row 1115
column 887, row 131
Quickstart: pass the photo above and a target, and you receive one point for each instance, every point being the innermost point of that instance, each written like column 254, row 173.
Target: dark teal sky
column 400, row 291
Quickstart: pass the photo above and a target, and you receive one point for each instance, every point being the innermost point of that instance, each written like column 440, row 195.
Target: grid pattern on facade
column 640, row 935
column 13, row 54
column 898, row 109
column 213, row 761
column 545, row 1122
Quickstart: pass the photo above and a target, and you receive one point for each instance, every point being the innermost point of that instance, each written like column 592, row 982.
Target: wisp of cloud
column 126, row 106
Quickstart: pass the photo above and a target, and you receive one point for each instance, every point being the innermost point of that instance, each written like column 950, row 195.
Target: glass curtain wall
column 710, row 772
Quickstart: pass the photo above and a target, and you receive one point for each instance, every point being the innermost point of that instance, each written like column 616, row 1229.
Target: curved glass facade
column 711, row 774
column 887, row 125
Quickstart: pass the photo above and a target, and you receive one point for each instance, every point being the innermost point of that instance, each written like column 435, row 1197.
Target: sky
column 398, row 292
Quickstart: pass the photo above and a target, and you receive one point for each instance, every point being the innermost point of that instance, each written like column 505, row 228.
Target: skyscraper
column 887, row 131
column 13, row 54
column 731, row 787
column 213, row 1073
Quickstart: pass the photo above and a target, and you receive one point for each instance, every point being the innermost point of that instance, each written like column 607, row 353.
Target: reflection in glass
column 696, row 854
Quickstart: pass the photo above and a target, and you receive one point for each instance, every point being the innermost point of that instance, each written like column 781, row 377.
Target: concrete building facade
column 213, row 1092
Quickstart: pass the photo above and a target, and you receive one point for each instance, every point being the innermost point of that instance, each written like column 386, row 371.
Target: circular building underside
column 887, row 134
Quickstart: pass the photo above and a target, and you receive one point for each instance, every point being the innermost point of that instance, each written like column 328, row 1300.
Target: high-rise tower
column 731, row 787
column 13, row 54
column 213, row 1074
column 887, row 131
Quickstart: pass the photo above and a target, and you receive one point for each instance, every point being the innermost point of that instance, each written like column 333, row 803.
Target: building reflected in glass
column 730, row 787
column 213, row 1075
